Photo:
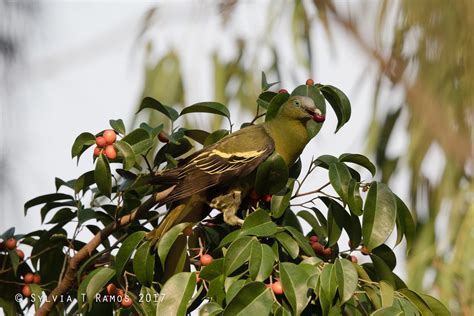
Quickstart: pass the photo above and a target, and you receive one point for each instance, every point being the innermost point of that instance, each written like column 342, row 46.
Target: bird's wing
column 235, row 156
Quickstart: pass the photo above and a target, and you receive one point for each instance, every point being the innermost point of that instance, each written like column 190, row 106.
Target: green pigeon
column 221, row 175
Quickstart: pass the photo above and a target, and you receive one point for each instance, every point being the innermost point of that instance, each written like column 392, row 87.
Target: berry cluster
column 10, row 244
column 319, row 248
column 126, row 301
column 105, row 144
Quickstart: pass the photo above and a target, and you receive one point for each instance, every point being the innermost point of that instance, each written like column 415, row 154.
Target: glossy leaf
column 207, row 107
column 301, row 240
column 176, row 294
column 258, row 223
column 417, row 301
column 339, row 102
column 264, row 83
column 340, row 177
column 264, row 98
column 347, row 278
column 237, row 254
column 253, row 299
column 136, row 136
column 215, row 136
column 151, row 103
column 197, row 135
column 81, row 143
column 126, row 250
column 360, row 160
column 103, row 176
column 353, row 197
column 47, row 198
column 214, row 270
column 144, row 263
column 118, row 126
column 127, row 153
column 281, row 201
column 98, row 282
column 167, row 240
column 319, row 227
column 387, row 294
column 290, row 245
column 379, row 215
column 435, row 305
column 294, row 279
column 405, row 222
column 272, row 175
column 383, row 270
column 261, row 261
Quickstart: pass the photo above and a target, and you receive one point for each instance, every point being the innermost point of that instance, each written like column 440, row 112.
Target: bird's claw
column 228, row 204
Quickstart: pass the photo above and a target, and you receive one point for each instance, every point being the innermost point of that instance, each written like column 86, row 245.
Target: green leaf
column 97, row 283
column 233, row 289
column 15, row 260
column 211, row 308
column 392, row 310
column 81, row 291
column 237, row 254
column 379, row 215
column 136, row 136
column 275, row 104
column 353, row 197
column 151, row 103
column 347, row 278
column 126, row 250
column 207, row 107
column 37, row 291
column 314, row 93
column 294, row 279
column 126, row 151
column 197, row 135
column 325, row 160
column 281, row 201
column 387, row 294
column 435, row 306
column 338, row 219
column 318, row 228
column 290, row 245
column 84, row 182
column 340, row 176
column 383, row 270
column 265, row 85
column 215, row 137
column 264, row 98
column 301, row 240
column 339, row 102
column 47, row 198
column 82, row 142
column 405, row 222
column 272, row 175
column 143, row 264
column 327, row 285
column 386, row 254
column 258, row 223
column 166, row 242
column 118, row 126
column 417, row 301
column 103, row 176
column 253, row 299
column 261, row 261
column 83, row 215
column 214, row 270
column 176, row 293
column 62, row 216
column 360, row 160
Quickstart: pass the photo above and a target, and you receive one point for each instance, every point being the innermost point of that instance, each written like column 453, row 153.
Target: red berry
column 163, row 137
column 26, row 291
column 364, row 250
column 282, row 91
column 100, row 141
column 310, row 82
column 267, row 198
column 36, row 279
column 277, row 288
column 20, row 254
column 10, row 244
column 28, row 278
column 111, row 289
column 119, row 292
column 319, row 118
column 206, row 259
column 110, row 152
column 97, row 151
column 126, row 301
column 313, row 238
column 109, row 136
column 327, row 251
column 318, row 248
column 354, row 259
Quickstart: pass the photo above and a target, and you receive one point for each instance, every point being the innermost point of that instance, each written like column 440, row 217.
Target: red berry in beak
column 319, row 118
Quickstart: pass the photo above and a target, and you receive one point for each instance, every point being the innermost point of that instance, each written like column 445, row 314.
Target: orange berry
column 318, row 248
column 97, row 151
column 10, row 243
column 163, row 137
column 206, row 259
column 109, row 136
column 126, row 301
column 364, row 250
column 110, row 152
column 327, row 251
column 100, row 141
column 28, row 278
column 354, row 259
column 313, row 238
column 310, row 82
column 26, row 291
column 277, row 288
column 37, row 279
column 111, row 289
column 20, row 254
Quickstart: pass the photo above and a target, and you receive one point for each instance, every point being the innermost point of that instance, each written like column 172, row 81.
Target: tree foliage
column 318, row 273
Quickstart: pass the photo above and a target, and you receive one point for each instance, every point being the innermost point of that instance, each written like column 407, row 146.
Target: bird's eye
column 296, row 103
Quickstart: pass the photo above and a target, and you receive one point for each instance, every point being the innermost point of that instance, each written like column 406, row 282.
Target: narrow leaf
column 102, row 176
column 151, row 103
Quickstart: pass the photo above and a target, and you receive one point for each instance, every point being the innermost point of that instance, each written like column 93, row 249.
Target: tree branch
column 69, row 276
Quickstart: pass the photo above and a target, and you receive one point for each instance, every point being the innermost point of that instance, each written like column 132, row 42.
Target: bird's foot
column 229, row 204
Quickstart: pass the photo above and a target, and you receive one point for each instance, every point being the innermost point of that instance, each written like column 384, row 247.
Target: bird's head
column 300, row 108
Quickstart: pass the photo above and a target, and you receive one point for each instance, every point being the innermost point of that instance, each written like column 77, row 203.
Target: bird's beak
column 315, row 114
